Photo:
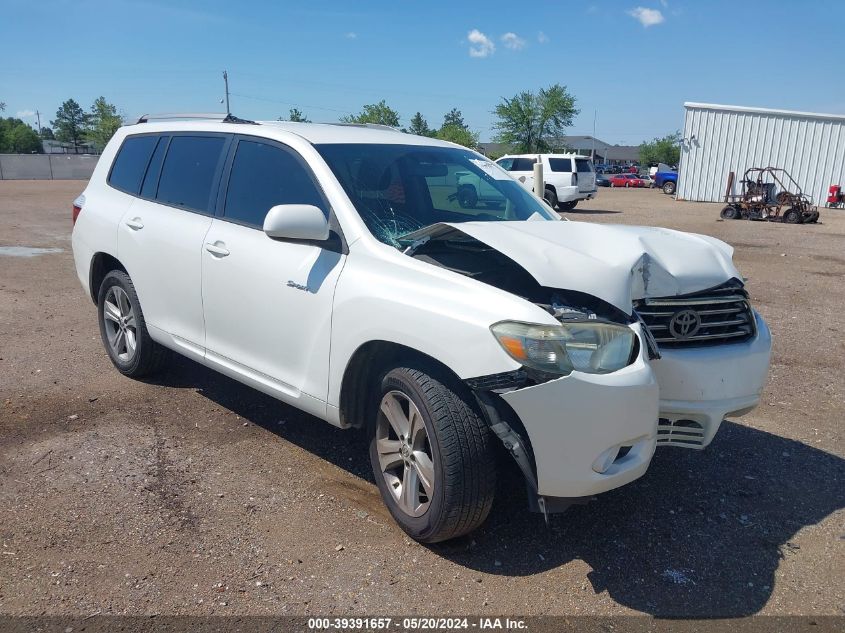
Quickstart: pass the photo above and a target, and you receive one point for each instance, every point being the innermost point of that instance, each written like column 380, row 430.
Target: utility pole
column 38, row 116
column 226, row 82
column 595, row 114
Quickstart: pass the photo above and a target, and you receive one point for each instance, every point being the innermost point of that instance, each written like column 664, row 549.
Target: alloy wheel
column 119, row 319
column 404, row 453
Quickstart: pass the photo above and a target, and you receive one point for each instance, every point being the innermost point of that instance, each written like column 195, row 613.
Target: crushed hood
column 616, row 263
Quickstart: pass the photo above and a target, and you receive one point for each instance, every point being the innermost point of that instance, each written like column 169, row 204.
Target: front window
column 398, row 189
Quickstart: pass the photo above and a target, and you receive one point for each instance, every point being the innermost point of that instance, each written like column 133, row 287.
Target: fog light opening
column 605, row 460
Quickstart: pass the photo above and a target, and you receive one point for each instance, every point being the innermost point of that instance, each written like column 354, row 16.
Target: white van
column 335, row 268
column 568, row 178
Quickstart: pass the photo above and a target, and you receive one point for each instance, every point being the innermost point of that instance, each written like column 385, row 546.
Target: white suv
column 568, row 178
column 334, row 268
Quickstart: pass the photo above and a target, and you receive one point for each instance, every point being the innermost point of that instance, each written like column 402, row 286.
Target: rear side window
column 584, row 166
column 523, row 164
column 148, row 189
column 560, row 164
column 263, row 176
column 131, row 163
column 188, row 171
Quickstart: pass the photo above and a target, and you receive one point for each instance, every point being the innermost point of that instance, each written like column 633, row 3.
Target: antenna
column 226, row 82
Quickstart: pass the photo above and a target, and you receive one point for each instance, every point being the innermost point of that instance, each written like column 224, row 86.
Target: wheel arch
column 368, row 364
column 101, row 265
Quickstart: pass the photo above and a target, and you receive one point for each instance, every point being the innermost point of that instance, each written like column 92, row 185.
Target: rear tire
column 730, row 213
column 567, row 206
column 123, row 328
column 550, row 197
column 669, row 187
column 425, row 428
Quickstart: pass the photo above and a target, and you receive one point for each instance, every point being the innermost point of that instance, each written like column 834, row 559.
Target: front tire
column 792, row 216
column 432, row 456
column 123, row 328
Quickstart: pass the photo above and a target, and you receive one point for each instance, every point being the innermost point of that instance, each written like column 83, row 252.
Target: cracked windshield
column 398, row 189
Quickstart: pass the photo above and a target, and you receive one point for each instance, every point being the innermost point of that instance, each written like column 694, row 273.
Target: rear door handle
column 135, row 224
column 218, row 249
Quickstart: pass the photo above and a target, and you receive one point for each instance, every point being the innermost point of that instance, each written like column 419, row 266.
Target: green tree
column 662, row 150
column 296, row 115
column 2, row 106
column 419, row 126
column 454, row 118
column 532, row 122
column 103, row 122
column 379, row 113
column 17, row 137
column 71, row 123
column 459, row 135
column 46, row 134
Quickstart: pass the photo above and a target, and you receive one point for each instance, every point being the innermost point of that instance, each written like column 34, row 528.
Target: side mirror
column 296, row 222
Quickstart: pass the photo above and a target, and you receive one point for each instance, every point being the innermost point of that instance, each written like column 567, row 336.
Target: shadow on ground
column 700, row 535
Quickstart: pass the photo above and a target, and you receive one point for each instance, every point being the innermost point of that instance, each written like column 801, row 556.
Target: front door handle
column 218, row 249
column 135, row 224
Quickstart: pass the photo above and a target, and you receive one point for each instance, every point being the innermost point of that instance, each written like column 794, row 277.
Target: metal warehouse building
column 720, row 139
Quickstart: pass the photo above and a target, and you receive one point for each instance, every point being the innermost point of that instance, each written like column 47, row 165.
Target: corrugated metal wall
column 810, row 147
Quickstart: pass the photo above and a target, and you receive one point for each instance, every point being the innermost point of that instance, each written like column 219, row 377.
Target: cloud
column 513, row 41
column 479, row 44
column 351, row 35
column 647, row 17
column 542, row 37
column 25, row 114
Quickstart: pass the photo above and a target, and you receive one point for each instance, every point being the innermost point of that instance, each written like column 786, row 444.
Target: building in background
column 598, row 150
column 720, row 139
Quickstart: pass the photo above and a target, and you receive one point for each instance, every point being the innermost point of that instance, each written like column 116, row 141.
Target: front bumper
column 575, row 421
column 577, row 424
column 702, row 386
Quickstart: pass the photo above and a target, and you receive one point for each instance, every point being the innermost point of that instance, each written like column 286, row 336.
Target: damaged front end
column 581, row 414
column 561, row 366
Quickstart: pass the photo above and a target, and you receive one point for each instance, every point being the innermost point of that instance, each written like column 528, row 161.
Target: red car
column 627, row 180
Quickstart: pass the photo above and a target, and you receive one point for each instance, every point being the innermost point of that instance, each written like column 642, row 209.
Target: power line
column 288, row 103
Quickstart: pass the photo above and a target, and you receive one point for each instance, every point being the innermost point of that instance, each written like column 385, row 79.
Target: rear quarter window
column 560, row 164
column 131, row 163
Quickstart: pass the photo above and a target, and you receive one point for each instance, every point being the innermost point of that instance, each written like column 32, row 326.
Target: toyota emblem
column 684, row 324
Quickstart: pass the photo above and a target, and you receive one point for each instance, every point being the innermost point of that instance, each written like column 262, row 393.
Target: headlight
column 594, row 348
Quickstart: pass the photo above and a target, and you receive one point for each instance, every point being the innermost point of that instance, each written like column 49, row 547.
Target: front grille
column 713, row 317
column 687, row 433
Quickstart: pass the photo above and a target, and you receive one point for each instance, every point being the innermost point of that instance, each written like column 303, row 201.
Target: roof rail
column 209, row 116
column 376, row 126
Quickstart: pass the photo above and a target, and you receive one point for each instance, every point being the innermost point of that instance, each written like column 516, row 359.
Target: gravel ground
column 196, row 495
